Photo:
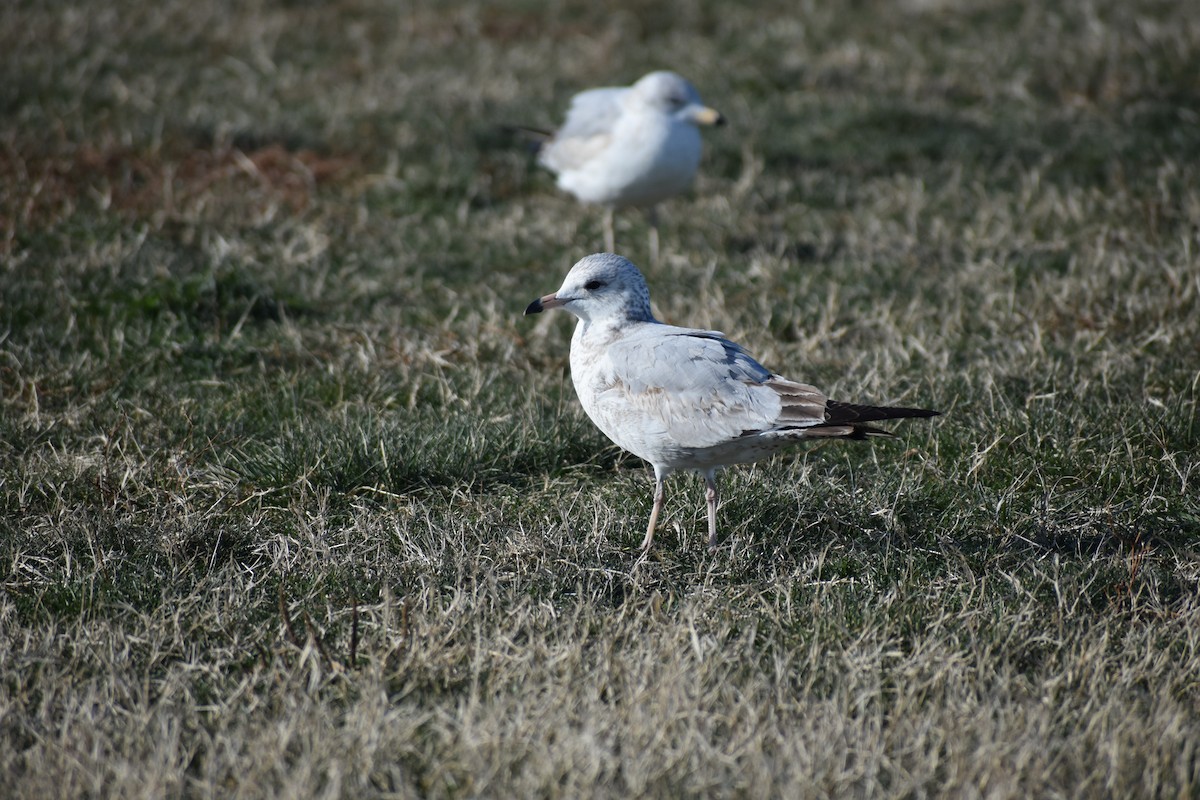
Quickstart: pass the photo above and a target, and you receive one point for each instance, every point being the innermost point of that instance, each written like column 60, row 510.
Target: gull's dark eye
column 592, row 286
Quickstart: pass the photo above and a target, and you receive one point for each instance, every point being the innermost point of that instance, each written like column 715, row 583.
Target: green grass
column 294, row 503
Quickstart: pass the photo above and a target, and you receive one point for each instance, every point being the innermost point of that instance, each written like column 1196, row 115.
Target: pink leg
column 710, row 497
column 659, row 496
column 652, row 216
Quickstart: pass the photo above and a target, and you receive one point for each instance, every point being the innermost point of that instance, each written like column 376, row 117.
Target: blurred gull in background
column 630, row 146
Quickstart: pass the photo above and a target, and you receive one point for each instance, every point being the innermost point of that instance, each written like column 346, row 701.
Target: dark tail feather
column 847, row 420
column 868, row 432
column 837, row 413
column 532, row 139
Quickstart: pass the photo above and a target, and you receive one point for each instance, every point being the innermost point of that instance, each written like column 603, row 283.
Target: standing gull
column 630, row 146
column 686, row 399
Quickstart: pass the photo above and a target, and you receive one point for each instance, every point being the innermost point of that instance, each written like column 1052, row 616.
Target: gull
column 682, row 398
column 630, row 146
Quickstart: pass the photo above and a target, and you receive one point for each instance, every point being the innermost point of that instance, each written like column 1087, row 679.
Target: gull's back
column 686, row 399
column 587, row 130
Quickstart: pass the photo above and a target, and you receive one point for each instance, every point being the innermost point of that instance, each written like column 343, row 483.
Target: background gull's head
column 670, row 93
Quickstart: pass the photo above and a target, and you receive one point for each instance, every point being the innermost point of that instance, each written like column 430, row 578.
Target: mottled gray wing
column 586, row 131
column 701, row 389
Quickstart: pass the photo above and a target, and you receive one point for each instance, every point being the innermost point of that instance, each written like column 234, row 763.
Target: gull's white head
column 671, row 94
column 601, row 287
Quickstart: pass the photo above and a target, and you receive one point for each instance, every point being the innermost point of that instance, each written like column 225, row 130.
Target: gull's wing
column 586, row 131
column 698, row 389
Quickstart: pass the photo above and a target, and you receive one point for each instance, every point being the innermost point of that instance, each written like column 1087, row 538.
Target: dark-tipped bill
column 541, row 304
column 708, row 116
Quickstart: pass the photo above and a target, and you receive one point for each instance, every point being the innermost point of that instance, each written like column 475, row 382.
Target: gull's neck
column 609, row 327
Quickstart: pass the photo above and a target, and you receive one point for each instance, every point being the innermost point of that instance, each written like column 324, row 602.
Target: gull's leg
column 710, row 497
column 652, row 217
column 659, row 496
column 610, row 238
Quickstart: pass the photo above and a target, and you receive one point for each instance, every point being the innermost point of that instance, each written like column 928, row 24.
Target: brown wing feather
column 801, row 404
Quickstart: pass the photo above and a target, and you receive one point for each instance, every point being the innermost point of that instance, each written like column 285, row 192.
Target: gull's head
column 671, row 94
column 604, row 286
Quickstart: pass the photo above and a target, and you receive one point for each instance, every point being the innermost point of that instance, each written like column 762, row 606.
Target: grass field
column 294, row 503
